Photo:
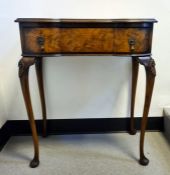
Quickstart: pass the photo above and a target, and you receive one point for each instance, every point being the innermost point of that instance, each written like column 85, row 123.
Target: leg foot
column 144, row 161
column 44, row 135
column 34, row 163
column 133, row 132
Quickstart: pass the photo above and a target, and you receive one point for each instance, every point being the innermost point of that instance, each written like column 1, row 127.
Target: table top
column 49, row 20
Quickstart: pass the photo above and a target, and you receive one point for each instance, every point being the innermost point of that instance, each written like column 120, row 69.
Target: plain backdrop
column 83, row 87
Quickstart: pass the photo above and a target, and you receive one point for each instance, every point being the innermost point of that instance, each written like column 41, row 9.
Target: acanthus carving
column 24, row 65
column 149, row 65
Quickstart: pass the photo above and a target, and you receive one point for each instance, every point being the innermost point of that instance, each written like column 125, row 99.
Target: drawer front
column 86, row 40
column 132, row 40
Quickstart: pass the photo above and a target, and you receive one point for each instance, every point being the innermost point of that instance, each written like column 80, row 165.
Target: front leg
column 39, row 72
column 24, row 65
column 149, row 65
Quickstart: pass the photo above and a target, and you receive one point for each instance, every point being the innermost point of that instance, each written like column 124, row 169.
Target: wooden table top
column 137, row 20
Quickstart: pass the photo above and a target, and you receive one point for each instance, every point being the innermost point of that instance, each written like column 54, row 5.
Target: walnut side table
column 56, row 37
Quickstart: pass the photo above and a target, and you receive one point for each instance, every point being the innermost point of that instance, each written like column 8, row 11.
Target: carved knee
column 24, row 65
column 149, row 65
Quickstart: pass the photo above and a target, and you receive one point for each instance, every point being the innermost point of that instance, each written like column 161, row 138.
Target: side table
column 58, row 37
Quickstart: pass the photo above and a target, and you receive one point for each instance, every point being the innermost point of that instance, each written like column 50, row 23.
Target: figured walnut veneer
column 86, row 40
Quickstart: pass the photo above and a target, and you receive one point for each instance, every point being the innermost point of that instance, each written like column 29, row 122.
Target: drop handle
column 40, row 42
column 132, row 43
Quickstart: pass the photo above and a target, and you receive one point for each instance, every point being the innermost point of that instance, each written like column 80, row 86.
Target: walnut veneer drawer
column 85, row 37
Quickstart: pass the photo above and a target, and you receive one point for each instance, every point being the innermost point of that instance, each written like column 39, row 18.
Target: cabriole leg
column 149, row 65
column 24, row 65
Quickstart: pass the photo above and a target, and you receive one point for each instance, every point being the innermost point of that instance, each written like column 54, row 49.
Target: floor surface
column 87, row 154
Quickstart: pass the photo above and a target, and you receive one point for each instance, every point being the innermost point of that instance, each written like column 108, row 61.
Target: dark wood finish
column 51, row 20
column 135, row 67
column 24, row 65
column 51, row 37
column 38, row 67
column 149, row 65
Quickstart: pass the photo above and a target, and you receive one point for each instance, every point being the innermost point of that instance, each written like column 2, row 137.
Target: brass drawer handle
column 132, row 43
column 40, row 42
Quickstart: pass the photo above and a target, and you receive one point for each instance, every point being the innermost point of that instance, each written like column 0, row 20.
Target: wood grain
column 86, row 40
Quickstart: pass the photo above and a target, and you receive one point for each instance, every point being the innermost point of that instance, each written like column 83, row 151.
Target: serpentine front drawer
column 114, row 37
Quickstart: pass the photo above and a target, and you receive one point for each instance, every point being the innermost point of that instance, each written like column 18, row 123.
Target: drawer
column 86, row 40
